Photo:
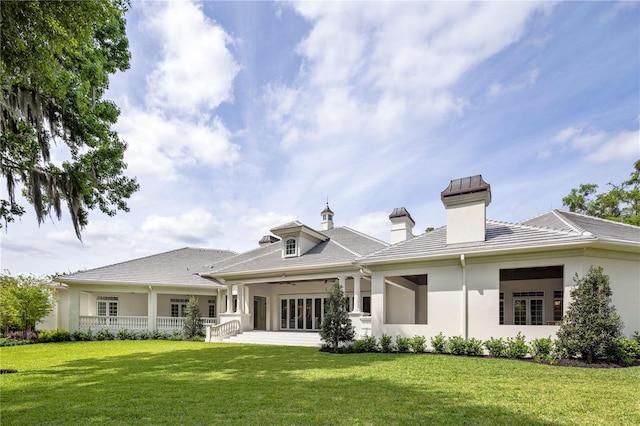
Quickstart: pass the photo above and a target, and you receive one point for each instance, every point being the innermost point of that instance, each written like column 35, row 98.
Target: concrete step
column 282, row 338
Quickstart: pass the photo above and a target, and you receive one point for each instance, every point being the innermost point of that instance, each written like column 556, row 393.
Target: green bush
column 370, row 344
column 626, row 351
column 144, row 335
column 456, row 345
column 176, row 335
column 359, row 346
column 105, row 334
column 124, row 334
column 439, row 343
column 82, row 335
column 496, row 347
column 474, row 347
column 386, row 344
column 57, row 335
column 636, row 336
column 15, row 342
column 403, row 344
column 418, row 344
column 517, row 347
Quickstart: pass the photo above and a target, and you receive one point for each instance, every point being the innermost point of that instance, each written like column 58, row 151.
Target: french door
column 301, row 312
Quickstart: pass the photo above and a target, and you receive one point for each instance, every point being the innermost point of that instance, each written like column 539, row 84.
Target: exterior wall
column 445, row 300
column 128, row 304
column 164, row 303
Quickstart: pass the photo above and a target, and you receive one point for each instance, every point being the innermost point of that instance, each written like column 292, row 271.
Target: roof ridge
column 614, row 222
column 400, row 243
column 362, row 234
column 267, row 252
column 543, row 228
column 344, row 247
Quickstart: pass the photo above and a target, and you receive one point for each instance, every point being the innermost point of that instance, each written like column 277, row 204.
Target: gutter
column 465, row 299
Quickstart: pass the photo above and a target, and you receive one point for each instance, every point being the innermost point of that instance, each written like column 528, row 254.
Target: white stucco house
column 473, row 277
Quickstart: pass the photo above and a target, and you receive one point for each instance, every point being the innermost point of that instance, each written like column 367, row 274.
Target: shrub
column 496, row 347
column 474, row 347
column 626, row 351
column 144, row 335
column 82, row 335
column 418, row 344
column 57, row 335
column 124, row 334
column 636, row 336
column 20, row 335
column 370, row 344
column 456, row 345
column 176, row 335
column 105, row 334
column 359, row 346
column 15, row 342
column 591, row 328
column 386, row 344
column 542, row 350
column 439, row 343
column 517, row 347
column 403, row 344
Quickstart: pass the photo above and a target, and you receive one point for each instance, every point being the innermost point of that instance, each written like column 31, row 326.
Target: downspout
column 465, row 311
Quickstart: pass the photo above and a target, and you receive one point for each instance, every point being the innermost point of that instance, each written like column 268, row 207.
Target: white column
column 240, row 291
column 229, row 299
column 74, row 310
column 218, row 302
column 356, row 293
column 152, row 309
column 342, row 280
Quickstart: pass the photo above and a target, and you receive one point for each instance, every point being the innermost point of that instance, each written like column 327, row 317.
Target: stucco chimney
column 401, row 225
column 268, row 239
column 466, row 201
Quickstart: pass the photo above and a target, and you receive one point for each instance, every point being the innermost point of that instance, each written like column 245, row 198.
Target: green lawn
column 161, row 382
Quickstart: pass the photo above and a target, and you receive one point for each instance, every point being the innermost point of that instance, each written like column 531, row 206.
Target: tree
column 591, row 327
column 25, row 301
column 621, row 203
column 55, row 62
column 336, row 326
column 192, row 321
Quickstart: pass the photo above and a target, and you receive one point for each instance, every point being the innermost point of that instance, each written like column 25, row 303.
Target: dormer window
column 290, row 247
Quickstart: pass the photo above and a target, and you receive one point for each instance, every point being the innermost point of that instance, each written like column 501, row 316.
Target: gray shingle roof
column 601, row 228
column 550, row 229
column 177, row 267
column 343, row 246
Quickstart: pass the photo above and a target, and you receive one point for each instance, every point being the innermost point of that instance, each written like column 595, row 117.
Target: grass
column 166, row 383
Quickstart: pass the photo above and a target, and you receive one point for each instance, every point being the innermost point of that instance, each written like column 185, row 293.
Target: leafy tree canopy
column 25, row 301
column 55, row 61
column 621, row 203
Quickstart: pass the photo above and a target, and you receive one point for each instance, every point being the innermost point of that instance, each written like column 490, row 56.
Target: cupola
column 401, row 225
column 327, row 218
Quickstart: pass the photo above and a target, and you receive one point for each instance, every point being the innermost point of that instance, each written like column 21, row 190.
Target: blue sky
column 241, row 116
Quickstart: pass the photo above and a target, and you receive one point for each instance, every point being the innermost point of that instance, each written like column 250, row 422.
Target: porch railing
column 95, row 322
column 127, row 322
column 219, row 332
column 173, row 323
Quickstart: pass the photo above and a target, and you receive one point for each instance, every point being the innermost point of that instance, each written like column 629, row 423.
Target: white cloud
column 376, row 224
column 197, row 69
column 621, row 146
column 161, row 146
column 195, row 227
column 599, row 146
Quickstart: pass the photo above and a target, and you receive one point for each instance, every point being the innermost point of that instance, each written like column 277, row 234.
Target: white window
column 528, row 308
column 178, row 307
column 107, row 306
column 290, row 247
column 212, row 308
